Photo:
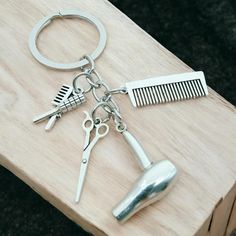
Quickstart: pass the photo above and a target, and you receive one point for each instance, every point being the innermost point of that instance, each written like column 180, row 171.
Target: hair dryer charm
column 151, row 186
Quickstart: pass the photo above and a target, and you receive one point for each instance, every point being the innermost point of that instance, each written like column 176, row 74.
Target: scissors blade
column 87, row 139
column 82, row 175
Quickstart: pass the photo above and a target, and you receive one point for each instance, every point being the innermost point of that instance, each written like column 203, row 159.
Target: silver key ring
column 66, row 14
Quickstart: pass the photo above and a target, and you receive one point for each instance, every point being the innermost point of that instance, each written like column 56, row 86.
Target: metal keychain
column 158, row 178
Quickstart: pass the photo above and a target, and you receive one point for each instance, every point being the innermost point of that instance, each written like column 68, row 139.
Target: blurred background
column 202, row 33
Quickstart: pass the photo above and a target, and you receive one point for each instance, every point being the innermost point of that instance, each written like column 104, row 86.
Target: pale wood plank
column 199, row 136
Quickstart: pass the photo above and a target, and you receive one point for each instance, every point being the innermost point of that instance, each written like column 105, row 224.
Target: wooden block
column 220, row 218
column 199, row 136
column 232, row 220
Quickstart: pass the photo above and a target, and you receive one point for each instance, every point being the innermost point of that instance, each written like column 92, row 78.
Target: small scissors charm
column 102, row 130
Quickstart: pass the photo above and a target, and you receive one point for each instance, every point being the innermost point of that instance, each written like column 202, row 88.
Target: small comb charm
column 64, row 93
column 64, row 101
column 167, row 89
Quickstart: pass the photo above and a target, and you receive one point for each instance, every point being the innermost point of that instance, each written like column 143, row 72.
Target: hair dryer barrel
column 150, row 187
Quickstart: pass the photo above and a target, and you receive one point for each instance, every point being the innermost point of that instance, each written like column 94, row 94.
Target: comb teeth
column 64, row 93
column 167, row 89
column 168, row 92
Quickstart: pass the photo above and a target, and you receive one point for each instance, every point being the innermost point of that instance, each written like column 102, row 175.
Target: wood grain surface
column 199, row 136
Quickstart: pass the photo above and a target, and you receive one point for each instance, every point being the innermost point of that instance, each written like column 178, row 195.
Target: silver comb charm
column 64, row 101
column 167, row 89
column 64, row 92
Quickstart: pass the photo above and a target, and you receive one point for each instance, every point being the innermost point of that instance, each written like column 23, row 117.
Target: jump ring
column 113, row 105
column 91, row 63
column 100, row 104
column 95, row 84
column 121, row 127
column 113, row 110
column 76, row 89
column 106, row 98
column 102, row 84
column 66, row 14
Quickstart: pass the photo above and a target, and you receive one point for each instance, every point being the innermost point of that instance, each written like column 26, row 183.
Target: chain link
column 91, row 64
column 102, row 84
column 105, row 101
column 94, row 83
column 121, row 90
column 78, row 89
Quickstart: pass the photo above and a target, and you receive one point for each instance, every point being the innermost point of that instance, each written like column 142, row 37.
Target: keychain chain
column 106, row 101
column 157, row 177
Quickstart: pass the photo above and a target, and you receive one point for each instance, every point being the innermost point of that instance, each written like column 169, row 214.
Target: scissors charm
column 101, row 130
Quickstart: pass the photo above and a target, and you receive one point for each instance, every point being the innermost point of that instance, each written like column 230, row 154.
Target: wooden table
column 199, row 136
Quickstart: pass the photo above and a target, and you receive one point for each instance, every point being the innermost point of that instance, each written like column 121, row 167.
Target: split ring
column 66, row 14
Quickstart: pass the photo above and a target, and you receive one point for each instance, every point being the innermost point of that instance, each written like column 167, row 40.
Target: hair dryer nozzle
column 150, row 187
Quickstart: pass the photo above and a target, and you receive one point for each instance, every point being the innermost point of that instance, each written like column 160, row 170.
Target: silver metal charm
column 101, row 130
column 158, row 178
column 155, row 183
column 66, row 14
column 64, row 93
column 167, row 89
column 64, row 104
